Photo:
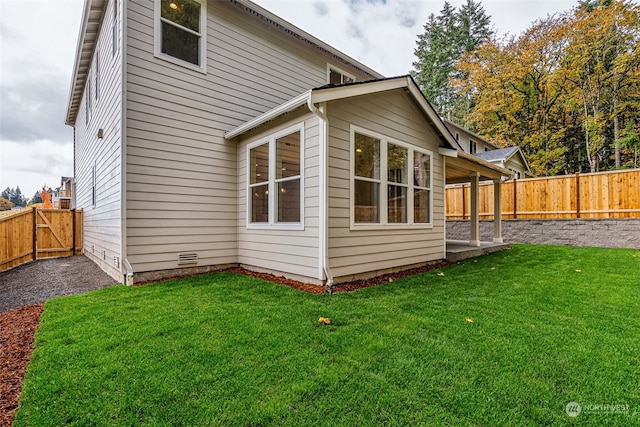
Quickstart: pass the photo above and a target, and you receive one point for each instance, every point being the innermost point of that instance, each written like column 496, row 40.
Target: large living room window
column 275, row 180
column 180, row 35
column 391, row 181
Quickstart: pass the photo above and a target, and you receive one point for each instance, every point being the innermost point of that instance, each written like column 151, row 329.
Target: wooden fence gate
column 39, row 233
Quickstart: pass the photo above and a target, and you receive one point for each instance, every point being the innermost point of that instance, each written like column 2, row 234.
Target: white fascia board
column 435, row 118
column 356, row 89
column 288, row 106
column 76, row 65
column 92, row 16
column 448, row 152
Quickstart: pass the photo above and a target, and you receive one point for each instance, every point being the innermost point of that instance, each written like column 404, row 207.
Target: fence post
column 73, row 222
column 464, row 204
column 34, row 236
column 577, row 194
column 515, row 200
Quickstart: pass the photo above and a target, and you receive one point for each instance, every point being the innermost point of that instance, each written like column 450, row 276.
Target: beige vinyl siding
column 182, row 189
column 294, row 252
column 101, row 223
column 353, row 252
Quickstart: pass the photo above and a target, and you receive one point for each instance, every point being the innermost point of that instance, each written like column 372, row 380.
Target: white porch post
column 497, row 211
column 474, row 240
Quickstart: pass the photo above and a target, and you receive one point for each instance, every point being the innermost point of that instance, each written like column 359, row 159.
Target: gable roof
column 503, row 155
column 93, row 15
column 311, row 98
column 335, row 92
column 496, row 155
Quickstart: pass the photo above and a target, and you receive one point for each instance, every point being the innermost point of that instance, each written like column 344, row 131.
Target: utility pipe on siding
column 323, row 126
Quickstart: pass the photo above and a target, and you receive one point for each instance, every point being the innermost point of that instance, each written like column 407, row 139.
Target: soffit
column 92, row 17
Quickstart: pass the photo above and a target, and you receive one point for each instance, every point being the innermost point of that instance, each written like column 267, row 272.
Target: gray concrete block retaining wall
column 604, row 233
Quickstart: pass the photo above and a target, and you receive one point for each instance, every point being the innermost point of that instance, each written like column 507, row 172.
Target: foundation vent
column 190, row 258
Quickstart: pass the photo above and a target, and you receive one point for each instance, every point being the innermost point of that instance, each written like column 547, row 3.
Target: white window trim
column 97, row 75
column 340, row 70
column 271, row 140
column 114, row 29
column 384, row 224
column 157, row 39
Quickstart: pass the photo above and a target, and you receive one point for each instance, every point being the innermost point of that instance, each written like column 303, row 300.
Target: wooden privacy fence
column 594, row 195
column 39, row 233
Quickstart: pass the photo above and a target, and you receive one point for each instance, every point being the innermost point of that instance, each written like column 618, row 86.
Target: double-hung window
column 180, row 35
column 391, row 181
column 275, row 180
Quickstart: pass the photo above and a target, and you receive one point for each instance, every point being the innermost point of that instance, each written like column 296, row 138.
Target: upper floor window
column 275, row 181
column 337, row 77
column 473, row 147
column 97, row 74
column 87, row 101
column 180, row 34
column 391, row 181
column 114, row 29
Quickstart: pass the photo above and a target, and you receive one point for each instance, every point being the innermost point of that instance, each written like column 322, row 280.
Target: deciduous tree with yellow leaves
column 567, row 90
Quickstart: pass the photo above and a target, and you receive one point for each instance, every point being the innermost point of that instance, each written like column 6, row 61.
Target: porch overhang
column 461, row 167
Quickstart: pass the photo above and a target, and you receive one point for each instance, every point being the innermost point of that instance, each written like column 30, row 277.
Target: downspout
column 323, row 190
column 128, row 270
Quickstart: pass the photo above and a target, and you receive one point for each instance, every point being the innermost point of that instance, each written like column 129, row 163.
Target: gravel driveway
column 40, row 280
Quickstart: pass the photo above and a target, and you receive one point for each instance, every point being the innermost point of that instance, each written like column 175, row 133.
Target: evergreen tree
column 14, row 196
column 446, row 37
column 37, row 198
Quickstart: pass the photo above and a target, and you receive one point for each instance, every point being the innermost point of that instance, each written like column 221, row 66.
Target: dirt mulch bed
column 17, row 329
column 341, row 287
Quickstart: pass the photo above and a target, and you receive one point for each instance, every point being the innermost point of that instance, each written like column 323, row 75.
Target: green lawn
column 550, row 325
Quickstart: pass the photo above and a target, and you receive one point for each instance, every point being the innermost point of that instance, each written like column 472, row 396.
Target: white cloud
column 33, row 165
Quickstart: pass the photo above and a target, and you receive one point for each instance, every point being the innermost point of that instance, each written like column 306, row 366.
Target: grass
column 550, row 325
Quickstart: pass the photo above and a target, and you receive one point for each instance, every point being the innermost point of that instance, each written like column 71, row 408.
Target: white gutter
column 290, row 105
column 323, row 231
column 448, row 152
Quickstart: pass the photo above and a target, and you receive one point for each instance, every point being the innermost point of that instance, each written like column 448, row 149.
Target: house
column 511, row 158
column 210, row 134
column 63, row 195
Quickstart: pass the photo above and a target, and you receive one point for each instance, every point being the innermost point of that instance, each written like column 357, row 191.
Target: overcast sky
column 38, row 42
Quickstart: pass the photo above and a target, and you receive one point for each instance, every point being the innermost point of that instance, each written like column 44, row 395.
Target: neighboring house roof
column 473, row 134
column 504, row 155
column 497, row 155
column 92, row 20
